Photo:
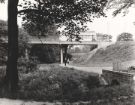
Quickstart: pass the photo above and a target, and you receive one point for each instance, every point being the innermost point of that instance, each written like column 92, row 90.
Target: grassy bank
column 120, row 51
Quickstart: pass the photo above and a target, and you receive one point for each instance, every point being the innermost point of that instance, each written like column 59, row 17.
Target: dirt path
column 4, row 101
column 88, row 69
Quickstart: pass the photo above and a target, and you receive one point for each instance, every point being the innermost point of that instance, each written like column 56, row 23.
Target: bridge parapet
column 58, row 42
column 95, row 37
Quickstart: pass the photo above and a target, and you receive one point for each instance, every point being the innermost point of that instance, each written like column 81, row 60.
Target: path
column 5, row 101
column 88, row 69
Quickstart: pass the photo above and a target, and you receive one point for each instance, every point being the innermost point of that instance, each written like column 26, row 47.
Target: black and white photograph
column 67, row 52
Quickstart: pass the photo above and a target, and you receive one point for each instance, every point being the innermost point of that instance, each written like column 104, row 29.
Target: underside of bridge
column 64, row 50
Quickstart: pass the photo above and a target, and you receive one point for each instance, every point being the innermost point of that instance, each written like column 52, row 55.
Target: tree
column 125, row 37
column 104, row 37
column 120, row 6
column 12, row 72
column 69, row 13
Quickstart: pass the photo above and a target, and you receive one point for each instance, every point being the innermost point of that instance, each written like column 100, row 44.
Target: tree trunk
column 12, row 72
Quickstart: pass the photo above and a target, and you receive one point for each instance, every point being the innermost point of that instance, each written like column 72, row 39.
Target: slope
column 120, row 51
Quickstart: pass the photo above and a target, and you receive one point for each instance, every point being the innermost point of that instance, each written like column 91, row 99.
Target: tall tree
column 12, row 72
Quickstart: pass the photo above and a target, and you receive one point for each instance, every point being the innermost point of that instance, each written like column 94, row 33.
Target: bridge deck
column 42, row 41
column 67, row 42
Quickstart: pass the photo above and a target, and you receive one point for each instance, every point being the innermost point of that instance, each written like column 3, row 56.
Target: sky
column 110, row 25
column 115, row 25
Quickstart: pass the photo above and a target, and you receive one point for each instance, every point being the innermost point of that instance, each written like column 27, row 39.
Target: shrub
column 46, row 53
column 23, row 40
column 92, row 82
column 110, row 93
column 27, row 65
column 57, row 83
column 125, row 37
column 69, row 85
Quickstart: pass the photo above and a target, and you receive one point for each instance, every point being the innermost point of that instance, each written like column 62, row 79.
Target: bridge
column 85, row 40
column 88, row 40
column 92, row 41
column 68, row 42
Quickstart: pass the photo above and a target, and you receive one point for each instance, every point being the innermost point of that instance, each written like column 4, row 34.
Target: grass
column 120, row 51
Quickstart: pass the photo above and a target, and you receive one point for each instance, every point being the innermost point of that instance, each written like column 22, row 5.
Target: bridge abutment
column 61, row 54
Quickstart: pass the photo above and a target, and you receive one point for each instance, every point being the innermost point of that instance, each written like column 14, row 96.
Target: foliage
column 41, row 14
column 92, row 82
column 27, row 65
column 104, row 37
column 3, row 28
column 22, row 39
column 112, row 95
column 72, row 30
column 24, row 65
column 3, row 53
column 131, row 68
column 69, row 85
column 2, row 1
column 23, row 42
column 59, row 84
column 120, row 6
column 125, row 37
column 3, row 47
column 46, row 53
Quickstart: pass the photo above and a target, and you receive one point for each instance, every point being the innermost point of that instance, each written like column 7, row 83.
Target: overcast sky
column 110, row 25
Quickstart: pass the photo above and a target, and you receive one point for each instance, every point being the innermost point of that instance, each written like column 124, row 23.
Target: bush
column 46, row 53
column 111, row 93
column 57, row 83
column 125, row 37
column 23, row 40
column 69, row 85
column 27, row 65
column 92, row 82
